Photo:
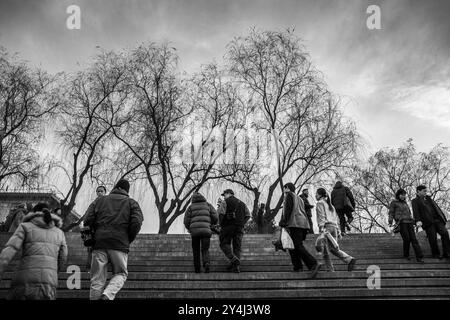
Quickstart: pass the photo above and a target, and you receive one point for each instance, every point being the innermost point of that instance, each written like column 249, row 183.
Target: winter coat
column 400, row 212
column 423, row 214
column 233, row 204
column 325, row 215
column 44, row 252
column 116, row 220
column 308, row 206
column 294, row 215
column 200, row 216
column 342, row 197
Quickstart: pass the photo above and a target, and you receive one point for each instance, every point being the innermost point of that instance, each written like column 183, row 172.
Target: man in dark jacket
column 198, row 220
column 430, row 217
column 116, row 220
column 343, row 201
column 233, row 215
column 308, row 207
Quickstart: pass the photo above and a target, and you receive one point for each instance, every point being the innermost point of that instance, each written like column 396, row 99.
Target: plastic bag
column 286, row 240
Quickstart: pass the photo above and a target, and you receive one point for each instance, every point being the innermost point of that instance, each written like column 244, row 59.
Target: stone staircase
column 160, row 267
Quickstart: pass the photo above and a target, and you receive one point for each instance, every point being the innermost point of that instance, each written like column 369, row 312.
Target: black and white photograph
column 223, row 155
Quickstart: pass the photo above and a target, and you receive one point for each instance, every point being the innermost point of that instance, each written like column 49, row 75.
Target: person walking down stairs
column 233, row 215
column 432, row 219
column 326, row 243
column 400, row 212
column 199, row 217
column 294, row 219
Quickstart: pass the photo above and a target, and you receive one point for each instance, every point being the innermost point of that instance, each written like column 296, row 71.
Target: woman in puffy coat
column 400, row 212
column 198, row 220
column 44, row 252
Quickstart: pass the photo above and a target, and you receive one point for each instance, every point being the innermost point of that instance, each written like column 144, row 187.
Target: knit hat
column 123, row 184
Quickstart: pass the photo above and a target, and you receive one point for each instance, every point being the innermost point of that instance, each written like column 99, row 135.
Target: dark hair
column 323, row 193
column 101, row 187
column 41, row 206
column 123, row 184
column 399, row 193
column 290, row 186
column 47, row 216
column 421, row 187
column 45, row 208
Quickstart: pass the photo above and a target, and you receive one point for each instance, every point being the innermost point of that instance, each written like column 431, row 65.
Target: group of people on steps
column 115, row 219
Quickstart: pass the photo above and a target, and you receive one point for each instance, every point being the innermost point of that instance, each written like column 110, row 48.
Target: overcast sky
column 397, row 78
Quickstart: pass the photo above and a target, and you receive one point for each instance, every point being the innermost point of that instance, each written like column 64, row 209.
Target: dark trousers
column 299, row 253
column 438, row 227
column 311, row 229
column 200, row 250
column 89, row 258
column 409, row 237
column 231, row 235
column 342, row 214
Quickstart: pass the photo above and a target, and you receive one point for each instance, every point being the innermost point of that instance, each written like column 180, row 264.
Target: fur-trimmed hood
column 38, row 219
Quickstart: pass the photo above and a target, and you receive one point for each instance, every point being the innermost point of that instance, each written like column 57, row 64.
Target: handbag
column 286, row 240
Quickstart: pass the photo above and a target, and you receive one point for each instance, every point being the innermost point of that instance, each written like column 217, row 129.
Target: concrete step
column 323, row 293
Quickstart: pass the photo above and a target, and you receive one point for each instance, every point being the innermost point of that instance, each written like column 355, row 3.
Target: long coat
column 44, row 251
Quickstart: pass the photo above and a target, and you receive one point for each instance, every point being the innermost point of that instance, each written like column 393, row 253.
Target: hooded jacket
column 44, row 252
column 200, row 216
column 341, row 196
column 116, row 220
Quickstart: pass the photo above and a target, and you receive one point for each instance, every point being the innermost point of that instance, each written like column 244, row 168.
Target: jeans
column 99, row 271
column 342, row 213
column 200, row 250
column 327, row 248
column 231, row 235
column 409, row 237
column 438, row 227
column 299, row 253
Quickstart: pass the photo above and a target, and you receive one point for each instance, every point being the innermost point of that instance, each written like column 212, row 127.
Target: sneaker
column 104, row 297
column 407, row 258
column 207, row 268
column 351, row 265
column 315, row 270
column 298, row 269
column 420, row 260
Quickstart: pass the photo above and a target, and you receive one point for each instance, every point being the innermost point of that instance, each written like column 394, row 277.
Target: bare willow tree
column 375, row 182
column 304, row 120
column 169, row 114
column 94, row 99
column 27, row 98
